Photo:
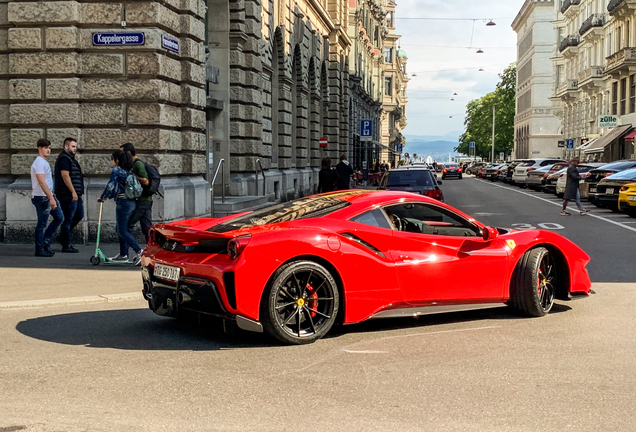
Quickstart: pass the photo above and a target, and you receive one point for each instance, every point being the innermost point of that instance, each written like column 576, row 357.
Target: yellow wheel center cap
column 300, row 302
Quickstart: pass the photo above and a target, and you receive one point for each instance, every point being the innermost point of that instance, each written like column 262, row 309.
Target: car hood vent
column 361, row 242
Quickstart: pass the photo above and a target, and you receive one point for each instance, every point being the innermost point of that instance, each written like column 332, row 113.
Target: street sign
column 170, row 44
column 607, row 121
column 366, row 130
column 323, row 142
column 471, row 144
column 561, row 143
column 118, row 39
column 569, row 144
column 501, row 156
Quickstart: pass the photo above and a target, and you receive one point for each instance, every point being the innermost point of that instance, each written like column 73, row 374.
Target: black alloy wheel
column 534, row 282
column 301, row 304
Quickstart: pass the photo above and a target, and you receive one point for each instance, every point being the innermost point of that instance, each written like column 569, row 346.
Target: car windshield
column 410, row 178
column 629, row 174
column 451, row 166
column 527, row 163
column 313, row 206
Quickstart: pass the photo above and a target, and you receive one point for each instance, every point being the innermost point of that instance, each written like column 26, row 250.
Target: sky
column 441, row 54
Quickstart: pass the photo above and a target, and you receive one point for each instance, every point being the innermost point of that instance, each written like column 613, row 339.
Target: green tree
column 478, row 121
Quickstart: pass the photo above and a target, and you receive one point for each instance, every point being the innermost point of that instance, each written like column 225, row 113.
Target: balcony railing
column 593, row 72
column 614, row 4
column 596, row 20
column 570, row 41
column 568, row 3
column 624, row 57
column 567, row 85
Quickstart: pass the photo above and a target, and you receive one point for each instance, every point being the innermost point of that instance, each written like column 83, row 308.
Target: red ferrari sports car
column 295, row 269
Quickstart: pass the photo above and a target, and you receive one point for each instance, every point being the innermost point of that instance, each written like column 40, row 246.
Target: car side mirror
column 439, row 182
column 489, row 233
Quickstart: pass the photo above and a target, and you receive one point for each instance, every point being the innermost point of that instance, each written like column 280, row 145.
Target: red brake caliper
column 539, row 283
column 312, row 304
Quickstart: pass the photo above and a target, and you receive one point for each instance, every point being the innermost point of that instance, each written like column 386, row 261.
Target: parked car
column 474, row 169
column 608, row 188
column 412, row 179
column 491, row 172
column 480, row 172
column 536, row 178
column 594, row 176
column 553, row 169
column 520, row 173
column 551, row 181
column 627, row 199
column 511, row 169
column 562, row 178
column 295, row 269
column 503, row 170
column 451, row 170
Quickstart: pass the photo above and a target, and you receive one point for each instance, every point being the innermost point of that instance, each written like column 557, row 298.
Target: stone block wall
column 55, row 82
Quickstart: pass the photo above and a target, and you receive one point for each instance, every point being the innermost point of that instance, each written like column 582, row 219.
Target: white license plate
column 592, row 190
column 609, row 191
column 632, row 198
column 167, row 272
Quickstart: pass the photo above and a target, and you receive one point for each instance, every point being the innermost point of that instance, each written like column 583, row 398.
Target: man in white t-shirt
column 44, row 201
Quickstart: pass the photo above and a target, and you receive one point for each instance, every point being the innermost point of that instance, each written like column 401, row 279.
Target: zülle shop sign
column 101, row 39
column 608, row 121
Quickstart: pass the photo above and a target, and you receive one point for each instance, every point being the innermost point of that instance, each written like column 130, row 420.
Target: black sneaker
column 47, row 246
column 44, row 253
column 70, row 249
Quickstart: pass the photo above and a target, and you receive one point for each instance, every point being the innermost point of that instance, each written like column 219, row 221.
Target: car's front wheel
column 301, row 303
column 533, row 285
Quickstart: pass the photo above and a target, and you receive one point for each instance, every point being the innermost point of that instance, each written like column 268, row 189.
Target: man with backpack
column 143, row 208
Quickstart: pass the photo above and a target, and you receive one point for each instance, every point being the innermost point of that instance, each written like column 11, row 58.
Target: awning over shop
column 599, row 145
column 630, row 136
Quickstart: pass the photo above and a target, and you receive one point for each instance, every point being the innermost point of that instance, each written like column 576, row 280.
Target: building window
column 389, row 20
column 623, row 95
column 560, row 75
column 388, row 55
column 388, row 86
column 561, row 34
column 615, row 98
column 632, row 94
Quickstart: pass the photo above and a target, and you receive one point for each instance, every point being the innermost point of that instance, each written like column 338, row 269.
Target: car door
column 441, row 257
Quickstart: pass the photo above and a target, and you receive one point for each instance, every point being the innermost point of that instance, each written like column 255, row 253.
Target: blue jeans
column 73, row 214
column 43, row 209
column 125, row 208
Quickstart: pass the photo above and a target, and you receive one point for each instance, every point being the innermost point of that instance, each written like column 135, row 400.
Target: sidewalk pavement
column 30, row 281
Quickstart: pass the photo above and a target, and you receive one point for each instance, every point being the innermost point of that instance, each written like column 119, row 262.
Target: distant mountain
column 438, row 149
column 451, row 136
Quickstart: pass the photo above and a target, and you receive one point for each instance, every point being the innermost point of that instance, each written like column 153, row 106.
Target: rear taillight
column 531, row 169
column 459, row 170
column 544, row 176
column 561, row 175
column 624, row 188
column 444, row 170
column 608, row 174
column 433, row 193
column 237, row 245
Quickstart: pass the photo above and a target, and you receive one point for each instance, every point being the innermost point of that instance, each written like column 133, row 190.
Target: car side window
column 373, row 218
column 429, row 219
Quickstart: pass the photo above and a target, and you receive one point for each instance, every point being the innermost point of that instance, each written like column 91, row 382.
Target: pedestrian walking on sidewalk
column 44, row 201
column 343, row 173
column 572, row 188
column 122, row 166
column 326, row 176
column 69, row 189
column 143, row 204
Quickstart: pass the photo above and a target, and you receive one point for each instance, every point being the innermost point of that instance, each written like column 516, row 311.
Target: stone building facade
column 537, row 121
column 255, row 83
column 594, row 76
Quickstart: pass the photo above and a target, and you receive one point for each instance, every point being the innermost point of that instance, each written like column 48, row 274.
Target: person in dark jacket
column 326, row 177
column 69, row 189
column 122, row 166
column 343, row 173
column 572, row 188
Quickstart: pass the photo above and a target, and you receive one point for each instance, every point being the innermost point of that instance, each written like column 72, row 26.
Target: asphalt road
column 608, row 238
column 118, row 367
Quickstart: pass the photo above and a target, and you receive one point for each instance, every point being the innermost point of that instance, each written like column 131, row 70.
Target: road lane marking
column 560, row 205
column 365, row 352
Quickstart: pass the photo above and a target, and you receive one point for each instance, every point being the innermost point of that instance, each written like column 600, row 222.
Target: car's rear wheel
column 301, row 303
column 533, row 285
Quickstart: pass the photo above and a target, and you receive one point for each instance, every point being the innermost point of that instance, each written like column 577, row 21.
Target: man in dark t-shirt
column 143, row 208
column 69, row 189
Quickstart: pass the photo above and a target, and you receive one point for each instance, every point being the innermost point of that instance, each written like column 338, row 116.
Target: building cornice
column 526, row 9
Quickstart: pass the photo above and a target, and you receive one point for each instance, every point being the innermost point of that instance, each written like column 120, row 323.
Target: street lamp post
column 492, row 156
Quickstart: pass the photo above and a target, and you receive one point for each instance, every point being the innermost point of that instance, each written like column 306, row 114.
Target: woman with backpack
column 116, row 189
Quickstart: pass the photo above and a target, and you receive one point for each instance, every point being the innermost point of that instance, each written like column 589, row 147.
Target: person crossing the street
column 572, row 188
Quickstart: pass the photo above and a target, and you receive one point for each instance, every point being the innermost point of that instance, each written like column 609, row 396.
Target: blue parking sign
column 471, row 144
column 366, row 130
column 569, row 144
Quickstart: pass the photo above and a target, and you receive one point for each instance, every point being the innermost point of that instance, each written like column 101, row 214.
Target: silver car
column 521, row 171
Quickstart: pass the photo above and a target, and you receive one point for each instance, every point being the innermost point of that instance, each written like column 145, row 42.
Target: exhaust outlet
column 183, row 297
